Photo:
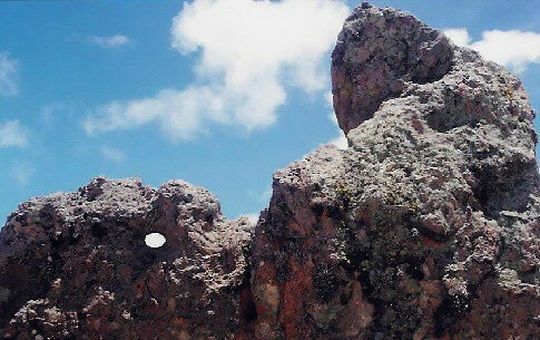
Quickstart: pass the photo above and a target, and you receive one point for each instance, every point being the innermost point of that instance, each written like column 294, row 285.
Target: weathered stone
column 433, row 211
column 76, row 265
column 427, row 226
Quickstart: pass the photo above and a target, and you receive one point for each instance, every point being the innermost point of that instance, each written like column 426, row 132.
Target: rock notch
column 427, row 226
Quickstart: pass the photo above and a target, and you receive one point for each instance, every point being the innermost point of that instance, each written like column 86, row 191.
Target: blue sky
column 216, row 97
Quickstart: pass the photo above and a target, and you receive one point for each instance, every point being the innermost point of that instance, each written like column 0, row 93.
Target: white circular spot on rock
column 155, row 240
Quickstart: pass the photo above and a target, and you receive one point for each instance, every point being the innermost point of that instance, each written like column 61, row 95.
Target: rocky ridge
column 76, row 264
column 427, row 226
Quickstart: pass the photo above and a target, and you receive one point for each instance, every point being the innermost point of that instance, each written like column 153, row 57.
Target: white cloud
column 340, row 141
column 13, row 134
column 251, row 53
column 180, row 114
column 112, row 154
column 252, row 217
column 112, row 41
column 8, row 71
column 460, row 36
column 514, row 49
column 22, row 173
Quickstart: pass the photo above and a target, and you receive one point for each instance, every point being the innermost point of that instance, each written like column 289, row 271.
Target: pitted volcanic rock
column 76, row 264
column 427, row 226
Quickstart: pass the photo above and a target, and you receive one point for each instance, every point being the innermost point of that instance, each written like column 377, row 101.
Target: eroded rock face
column 76, row 265
column 428, row 225
column 378, row 53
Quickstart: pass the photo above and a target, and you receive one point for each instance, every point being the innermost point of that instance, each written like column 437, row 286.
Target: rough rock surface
column 427, row 226
column 77, row 265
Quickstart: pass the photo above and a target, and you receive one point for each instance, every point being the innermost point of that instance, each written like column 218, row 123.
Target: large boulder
column 428, row 225
column 77, row 265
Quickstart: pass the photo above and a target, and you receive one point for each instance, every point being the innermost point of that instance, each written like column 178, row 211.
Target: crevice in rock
column 325, row 282
column 506, row 187
column 451, row 309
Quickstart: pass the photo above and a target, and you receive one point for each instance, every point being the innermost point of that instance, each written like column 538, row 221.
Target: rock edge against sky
column 427, row 226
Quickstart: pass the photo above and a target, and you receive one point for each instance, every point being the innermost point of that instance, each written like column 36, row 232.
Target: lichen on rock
column 432, row 211
column 427, row 226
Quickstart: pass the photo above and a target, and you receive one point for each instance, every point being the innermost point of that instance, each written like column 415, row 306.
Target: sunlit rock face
column 427, row 226
column 80, row 264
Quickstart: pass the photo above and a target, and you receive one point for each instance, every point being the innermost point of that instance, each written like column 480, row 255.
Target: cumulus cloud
column 179, row 114
column 8, row 71
column 13, row 134
column 112, row 154
column 250, row 53
column 514, row 49
column 340, row 141
column 460, row 36
column 112, row 41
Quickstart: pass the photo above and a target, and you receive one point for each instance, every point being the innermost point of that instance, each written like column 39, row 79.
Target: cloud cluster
column 112, row 41
column 250, row 53
column 180, row 114
column 112, row 154
column 514, row 49
column 13, row 134
column 8, row 71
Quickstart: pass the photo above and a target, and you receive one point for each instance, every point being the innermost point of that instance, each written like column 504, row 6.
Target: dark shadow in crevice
column 506, row 187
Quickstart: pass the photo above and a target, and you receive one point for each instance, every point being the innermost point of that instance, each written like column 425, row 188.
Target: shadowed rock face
column 427, row 226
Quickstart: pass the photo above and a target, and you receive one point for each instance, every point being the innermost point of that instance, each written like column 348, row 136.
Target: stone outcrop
column 427, row 226
column 77, row 265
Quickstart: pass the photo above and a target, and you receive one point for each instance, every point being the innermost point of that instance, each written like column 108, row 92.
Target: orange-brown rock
column 427, row 226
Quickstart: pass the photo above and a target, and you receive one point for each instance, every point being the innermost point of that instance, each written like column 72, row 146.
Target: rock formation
column 427, row 226
column 76, row 265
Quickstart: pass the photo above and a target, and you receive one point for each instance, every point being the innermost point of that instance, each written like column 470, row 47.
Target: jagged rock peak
column 383, row 53
column 428, row 225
